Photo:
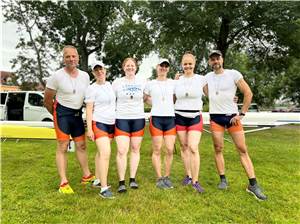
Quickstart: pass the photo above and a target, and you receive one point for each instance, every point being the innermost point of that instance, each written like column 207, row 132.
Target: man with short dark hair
column 221, row 86
column 68, row 85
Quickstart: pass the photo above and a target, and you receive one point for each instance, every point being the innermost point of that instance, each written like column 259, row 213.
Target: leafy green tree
column 35, row 52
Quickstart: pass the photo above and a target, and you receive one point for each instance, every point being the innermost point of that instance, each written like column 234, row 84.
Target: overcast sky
column 9, row 39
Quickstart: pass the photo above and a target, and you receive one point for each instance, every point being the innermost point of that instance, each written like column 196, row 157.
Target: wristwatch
column 242, row 114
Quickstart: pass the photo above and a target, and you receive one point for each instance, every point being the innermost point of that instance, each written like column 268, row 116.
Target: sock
column 131, row 180
column 252, row 181
column 121, row 182
column 96, row 182
column 222, row 177
column 103, row 189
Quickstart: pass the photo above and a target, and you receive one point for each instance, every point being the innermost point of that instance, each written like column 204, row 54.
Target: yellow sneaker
column 88, row 180
column 65, row 189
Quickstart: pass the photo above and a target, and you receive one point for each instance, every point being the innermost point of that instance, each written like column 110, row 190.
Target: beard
column 216, row 66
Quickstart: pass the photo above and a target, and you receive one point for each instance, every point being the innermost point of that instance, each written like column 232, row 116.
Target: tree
column 264, row 31
column 32, row 62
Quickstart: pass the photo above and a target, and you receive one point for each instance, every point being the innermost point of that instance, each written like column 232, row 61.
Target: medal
column 186, row 94
column 74, row 91
column 217, row 92
column 131, row 97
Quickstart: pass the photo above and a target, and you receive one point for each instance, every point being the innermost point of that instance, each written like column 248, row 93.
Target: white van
column 23, row 106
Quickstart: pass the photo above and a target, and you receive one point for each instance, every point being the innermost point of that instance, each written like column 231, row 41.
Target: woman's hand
column 90, row 135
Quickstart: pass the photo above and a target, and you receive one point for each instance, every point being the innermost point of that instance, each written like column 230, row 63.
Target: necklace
column 187, row 86
column 217, row 84
column 73, row 84
column 162, row 89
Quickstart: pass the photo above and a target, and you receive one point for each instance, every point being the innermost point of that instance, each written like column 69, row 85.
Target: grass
column 30, row 180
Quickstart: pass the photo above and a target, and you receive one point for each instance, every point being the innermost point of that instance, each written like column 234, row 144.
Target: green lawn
column 29, row 186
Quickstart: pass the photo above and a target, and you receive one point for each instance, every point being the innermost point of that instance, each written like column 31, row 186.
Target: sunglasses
column 164, row 65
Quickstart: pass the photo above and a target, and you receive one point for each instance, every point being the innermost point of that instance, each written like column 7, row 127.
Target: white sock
column 103, row 189
column 96, row 182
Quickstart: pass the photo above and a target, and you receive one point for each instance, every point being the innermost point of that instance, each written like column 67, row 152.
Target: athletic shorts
column 161, row 126
column 220, row 122
column 68, row 121
column 130, row 127
column 103, row 130
column 189, row 124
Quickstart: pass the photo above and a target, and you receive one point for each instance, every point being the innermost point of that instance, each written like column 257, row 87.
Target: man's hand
column 235, row 120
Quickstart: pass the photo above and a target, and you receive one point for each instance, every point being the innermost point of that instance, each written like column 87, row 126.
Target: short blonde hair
column 127, row 59
column 67, row 47
column 189, row 54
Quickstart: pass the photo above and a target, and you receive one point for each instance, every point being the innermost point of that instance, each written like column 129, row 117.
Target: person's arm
column 245, row 89
column 205, row 90
column 48, row 99
column 147, row 99
column 89, row 118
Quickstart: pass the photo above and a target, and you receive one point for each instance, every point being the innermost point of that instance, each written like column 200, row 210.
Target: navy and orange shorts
column 103, row 130
column 130, row 127
column 220, row 122
column 188, row 124
column 68, row 121
column 161, row 126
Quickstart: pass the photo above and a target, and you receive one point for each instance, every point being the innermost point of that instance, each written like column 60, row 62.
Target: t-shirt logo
column 131, row 89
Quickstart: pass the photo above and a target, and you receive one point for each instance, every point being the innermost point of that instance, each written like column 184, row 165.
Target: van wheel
column 47, row 119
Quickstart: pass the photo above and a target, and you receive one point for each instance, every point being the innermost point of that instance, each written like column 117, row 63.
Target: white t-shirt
column 69, row 91
column 161, row 93
column 189, row 92
column 221, row 91
column 104, row 101
column 129, row 94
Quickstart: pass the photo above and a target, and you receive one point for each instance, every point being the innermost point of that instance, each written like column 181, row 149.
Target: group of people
column 117, row 111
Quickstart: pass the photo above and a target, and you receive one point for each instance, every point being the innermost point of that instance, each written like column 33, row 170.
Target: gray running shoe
column 106, row 194
column 186, row 181
column 161, row 183
column 133, row 185
column 168, row 182
column 223, row 185
column 198, row 187
column 122, row 188
column 257, row 192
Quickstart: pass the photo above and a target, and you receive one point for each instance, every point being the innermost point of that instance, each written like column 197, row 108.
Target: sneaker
column 223, row 185
column 133, row 185
column 257, row 192
column 122, row 188
column 161, row 183
column 88, row 180
column 198, row 187
column 168, row 182
column 186, row 181
column 107, row 194
column 65, row 189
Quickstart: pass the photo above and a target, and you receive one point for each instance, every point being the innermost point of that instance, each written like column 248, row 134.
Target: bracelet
column 242, row 114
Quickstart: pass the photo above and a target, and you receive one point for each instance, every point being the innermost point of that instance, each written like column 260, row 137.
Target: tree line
column 260, row 39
